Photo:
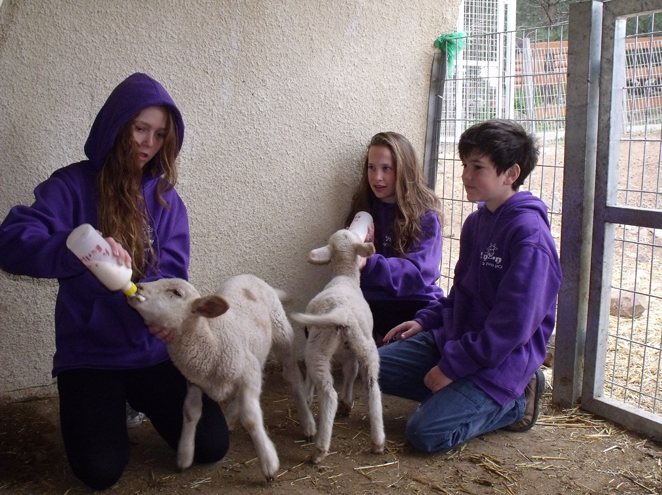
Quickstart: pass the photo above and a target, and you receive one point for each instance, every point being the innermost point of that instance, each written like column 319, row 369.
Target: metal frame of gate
column 594, row 123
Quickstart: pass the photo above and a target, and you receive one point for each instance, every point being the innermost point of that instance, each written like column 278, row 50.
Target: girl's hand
column 370, row 236
column 121, row 255
column 435, row 380
column 362, row 263
column 161, row 333
column 403, row 331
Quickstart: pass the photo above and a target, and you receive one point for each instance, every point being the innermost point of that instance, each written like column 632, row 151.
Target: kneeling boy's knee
column 424, row 439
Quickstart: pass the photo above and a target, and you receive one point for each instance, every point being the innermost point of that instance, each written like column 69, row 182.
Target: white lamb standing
column 339, row 324
column 224, row 356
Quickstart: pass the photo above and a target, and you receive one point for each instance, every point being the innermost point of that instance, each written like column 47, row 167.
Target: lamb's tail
column 282, row 295
column 336, row 317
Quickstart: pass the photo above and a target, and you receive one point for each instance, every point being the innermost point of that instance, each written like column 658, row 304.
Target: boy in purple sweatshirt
column 105, row 356
column 472, row 359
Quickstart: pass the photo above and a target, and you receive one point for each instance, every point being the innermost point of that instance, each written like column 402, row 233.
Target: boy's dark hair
column 505, row 142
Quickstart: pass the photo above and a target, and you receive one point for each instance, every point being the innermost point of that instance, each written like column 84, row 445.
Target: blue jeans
column 452, row 416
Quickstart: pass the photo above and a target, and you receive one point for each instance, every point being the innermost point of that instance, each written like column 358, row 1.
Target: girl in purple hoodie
column 472, row 359
column 400, row 278
column 105, row 356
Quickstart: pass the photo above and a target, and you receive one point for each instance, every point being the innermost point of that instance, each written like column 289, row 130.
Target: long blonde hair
column 413, row 197
column 121, row 206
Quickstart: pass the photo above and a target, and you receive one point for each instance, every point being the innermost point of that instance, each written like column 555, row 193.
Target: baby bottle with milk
column 360, row 224
column 95, row 253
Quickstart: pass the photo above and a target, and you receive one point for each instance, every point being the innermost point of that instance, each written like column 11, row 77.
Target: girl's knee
column 208, row 453
column 212, row 436
column 211, row 446
column 98, row 474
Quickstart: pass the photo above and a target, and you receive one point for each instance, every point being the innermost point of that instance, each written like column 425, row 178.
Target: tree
column 542, row 13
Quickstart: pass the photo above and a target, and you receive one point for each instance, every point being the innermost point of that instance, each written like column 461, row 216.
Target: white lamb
column 225, row 356
column 339, row 324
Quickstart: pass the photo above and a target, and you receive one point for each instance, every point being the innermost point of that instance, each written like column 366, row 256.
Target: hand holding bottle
column 361, row 225
column 106, row 258
column 121, row 255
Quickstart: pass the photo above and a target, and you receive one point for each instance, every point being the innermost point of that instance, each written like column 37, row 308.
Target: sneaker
column 533, row 394
column 133, row 417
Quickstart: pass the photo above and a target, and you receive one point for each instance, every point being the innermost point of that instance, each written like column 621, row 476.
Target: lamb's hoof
column 378, row 449
column 317, row 456
column 343, row 409
column 184, row 461
column 309, row 431
column 270, row 470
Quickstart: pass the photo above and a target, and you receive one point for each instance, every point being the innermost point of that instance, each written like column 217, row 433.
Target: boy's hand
column 162, row 333
column 403, row 331
column 435, row 380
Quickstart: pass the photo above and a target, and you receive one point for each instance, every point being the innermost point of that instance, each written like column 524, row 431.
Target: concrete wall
column 279, row 99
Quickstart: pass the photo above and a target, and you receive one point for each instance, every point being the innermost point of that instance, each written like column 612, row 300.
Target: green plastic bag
column 451, row 44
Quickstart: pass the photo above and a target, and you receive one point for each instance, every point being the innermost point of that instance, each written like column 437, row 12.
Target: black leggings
column 93, row 418
column 388, row 314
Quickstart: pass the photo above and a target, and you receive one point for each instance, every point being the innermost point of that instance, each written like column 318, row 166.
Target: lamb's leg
column 309, row 388
column 350, row 369
column 370, row 375
column 319, row 369
column 191, row 413
column 231, row 414
column 252, row 419
column 292, row 375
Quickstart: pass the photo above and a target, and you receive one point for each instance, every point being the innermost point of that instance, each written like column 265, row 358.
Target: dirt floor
column 567, row 452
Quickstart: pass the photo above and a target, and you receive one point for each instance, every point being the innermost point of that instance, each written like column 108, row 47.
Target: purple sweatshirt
column 494, row 326
column 388, row 276
column 94, row 327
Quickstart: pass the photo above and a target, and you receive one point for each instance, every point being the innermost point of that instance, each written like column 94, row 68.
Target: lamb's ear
column 320, row 256
column 365, row 249
column 210, row 306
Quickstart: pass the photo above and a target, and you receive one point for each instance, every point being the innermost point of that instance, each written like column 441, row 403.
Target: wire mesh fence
column 522, row 74
column 523, row 77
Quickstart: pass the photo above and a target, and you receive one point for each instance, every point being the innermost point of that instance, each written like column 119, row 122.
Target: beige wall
column 279, row 99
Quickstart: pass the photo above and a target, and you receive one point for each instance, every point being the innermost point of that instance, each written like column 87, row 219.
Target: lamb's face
column 344, row 240
column 348, row 245
column 166, row 302
column 344, row 246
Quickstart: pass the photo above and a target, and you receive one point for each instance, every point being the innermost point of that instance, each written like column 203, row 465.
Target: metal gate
column 610, row 310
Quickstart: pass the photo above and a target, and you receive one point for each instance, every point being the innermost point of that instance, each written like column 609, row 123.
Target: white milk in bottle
column 95, row 253
column 360, row 224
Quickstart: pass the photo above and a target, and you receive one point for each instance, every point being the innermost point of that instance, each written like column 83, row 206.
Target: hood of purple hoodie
column 130, row 97
column 520, row 200
column 95, row 328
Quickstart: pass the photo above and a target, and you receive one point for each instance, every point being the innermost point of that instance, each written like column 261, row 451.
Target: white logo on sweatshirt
column 489, row 258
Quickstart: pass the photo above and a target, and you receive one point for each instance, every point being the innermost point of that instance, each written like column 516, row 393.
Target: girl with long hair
column 105, row 355
column 400, row 278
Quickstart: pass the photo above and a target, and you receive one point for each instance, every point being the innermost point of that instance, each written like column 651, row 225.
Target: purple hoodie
column 388, row 276
column 94, row 327
column 494, row 326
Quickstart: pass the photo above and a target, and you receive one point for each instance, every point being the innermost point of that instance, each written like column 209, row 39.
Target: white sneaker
column 133, row 417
